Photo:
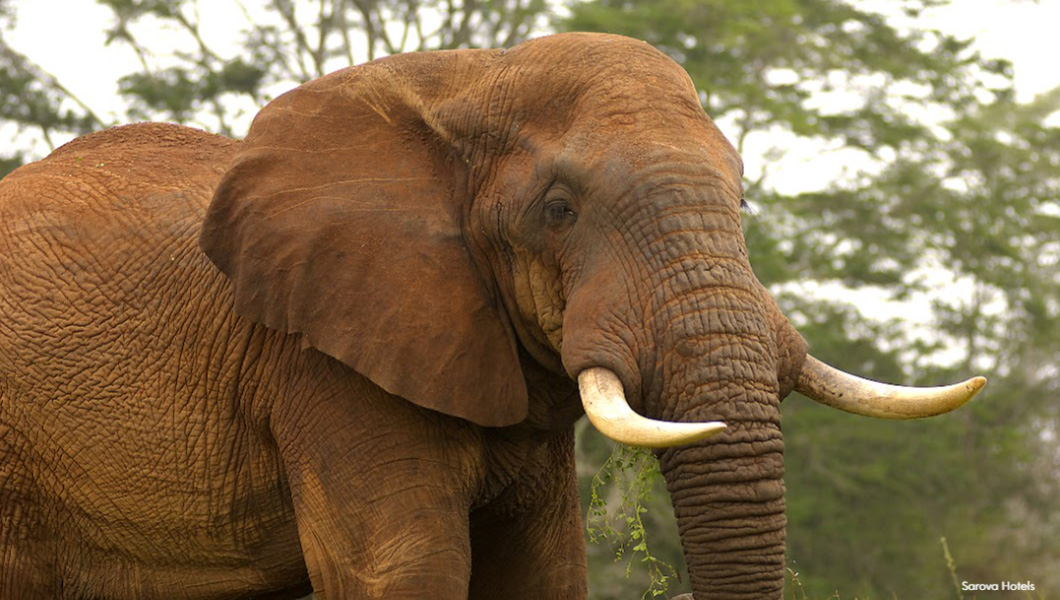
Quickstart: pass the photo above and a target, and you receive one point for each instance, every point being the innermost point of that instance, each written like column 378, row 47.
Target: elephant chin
column 605, row 405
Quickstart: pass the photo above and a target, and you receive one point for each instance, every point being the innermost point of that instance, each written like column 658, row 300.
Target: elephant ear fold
column 340, row 220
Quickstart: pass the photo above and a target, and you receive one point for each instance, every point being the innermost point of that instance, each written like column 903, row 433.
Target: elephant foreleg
column 529, row 544
column 21, row 578
column 23, row 572
column 27, row 557
column 381, row 491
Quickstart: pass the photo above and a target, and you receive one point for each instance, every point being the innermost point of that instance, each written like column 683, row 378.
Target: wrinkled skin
column 339, row 356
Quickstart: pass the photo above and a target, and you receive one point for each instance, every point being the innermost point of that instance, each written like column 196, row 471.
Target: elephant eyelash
column 557, row 205
column 746, row 207
column 560, row 211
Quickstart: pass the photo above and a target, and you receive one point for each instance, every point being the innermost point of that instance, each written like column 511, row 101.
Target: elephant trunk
column 726, row 358
column 728, row 491
column 728, row 499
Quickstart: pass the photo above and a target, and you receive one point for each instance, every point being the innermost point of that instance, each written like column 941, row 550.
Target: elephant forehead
column 576, row 55
column 605, row 80
column 608, row 98
column 625, row 154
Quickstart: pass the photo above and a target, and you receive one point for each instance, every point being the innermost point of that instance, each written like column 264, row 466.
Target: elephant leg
column 381, row 493
column 403, row 553
column 20, row 581
column 26, row 567
column 529, row 543
column 22, row 574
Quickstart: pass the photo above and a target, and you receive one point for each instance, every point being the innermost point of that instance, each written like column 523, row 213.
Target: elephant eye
column 558, row 212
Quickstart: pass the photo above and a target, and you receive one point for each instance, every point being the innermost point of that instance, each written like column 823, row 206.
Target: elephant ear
column 340, row 220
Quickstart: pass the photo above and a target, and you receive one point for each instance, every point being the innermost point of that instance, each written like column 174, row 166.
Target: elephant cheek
column 546, row 292
column 539, row 301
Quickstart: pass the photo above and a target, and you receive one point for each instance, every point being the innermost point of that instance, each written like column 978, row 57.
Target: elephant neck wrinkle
column 554, row 403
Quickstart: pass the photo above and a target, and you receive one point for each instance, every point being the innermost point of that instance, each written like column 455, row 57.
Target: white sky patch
column 1023, row 31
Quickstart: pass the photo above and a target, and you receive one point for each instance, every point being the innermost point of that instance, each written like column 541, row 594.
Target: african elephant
column 345, row 354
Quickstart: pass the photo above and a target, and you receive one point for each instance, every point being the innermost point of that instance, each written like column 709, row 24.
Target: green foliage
column 762, row 62
column 204, row 82
column 951, row 566
column 618, row 502
column 181, row 92
column 10, row 164
column 31, row 100
column 979, row 206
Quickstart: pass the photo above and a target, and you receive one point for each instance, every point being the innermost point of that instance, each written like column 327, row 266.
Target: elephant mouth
column 606, row 406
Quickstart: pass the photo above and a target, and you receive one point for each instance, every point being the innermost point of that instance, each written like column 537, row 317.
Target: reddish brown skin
column 339, row 356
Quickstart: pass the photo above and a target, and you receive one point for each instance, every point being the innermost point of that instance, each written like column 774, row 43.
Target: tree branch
column 286, row 10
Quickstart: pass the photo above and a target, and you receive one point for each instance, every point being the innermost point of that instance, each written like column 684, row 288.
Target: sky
column 1023, row 31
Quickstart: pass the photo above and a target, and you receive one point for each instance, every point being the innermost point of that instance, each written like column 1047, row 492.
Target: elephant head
column 437, row 221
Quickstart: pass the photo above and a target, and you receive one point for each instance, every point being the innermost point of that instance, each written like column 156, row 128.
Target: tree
column 32, row 99
column 218, row 84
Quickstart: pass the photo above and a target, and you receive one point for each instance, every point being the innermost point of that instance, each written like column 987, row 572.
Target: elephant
column 345, row 355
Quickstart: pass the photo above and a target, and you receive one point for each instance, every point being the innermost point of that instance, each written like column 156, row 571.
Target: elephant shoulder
column 117, row 212
column 166, row 138
column 123, row 161
column 101, row 236
column 148, row 176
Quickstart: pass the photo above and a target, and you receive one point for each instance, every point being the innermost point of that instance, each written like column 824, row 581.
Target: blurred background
column 903, row 172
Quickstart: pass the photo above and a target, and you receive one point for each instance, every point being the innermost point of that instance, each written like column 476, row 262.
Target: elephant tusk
column 605, row 404
column 852, row 394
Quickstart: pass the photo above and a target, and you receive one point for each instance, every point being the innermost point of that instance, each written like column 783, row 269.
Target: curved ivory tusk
column 837, row 389
column 605, row 404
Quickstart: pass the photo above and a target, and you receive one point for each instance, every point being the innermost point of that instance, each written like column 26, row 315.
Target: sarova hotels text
column 1018, row 586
